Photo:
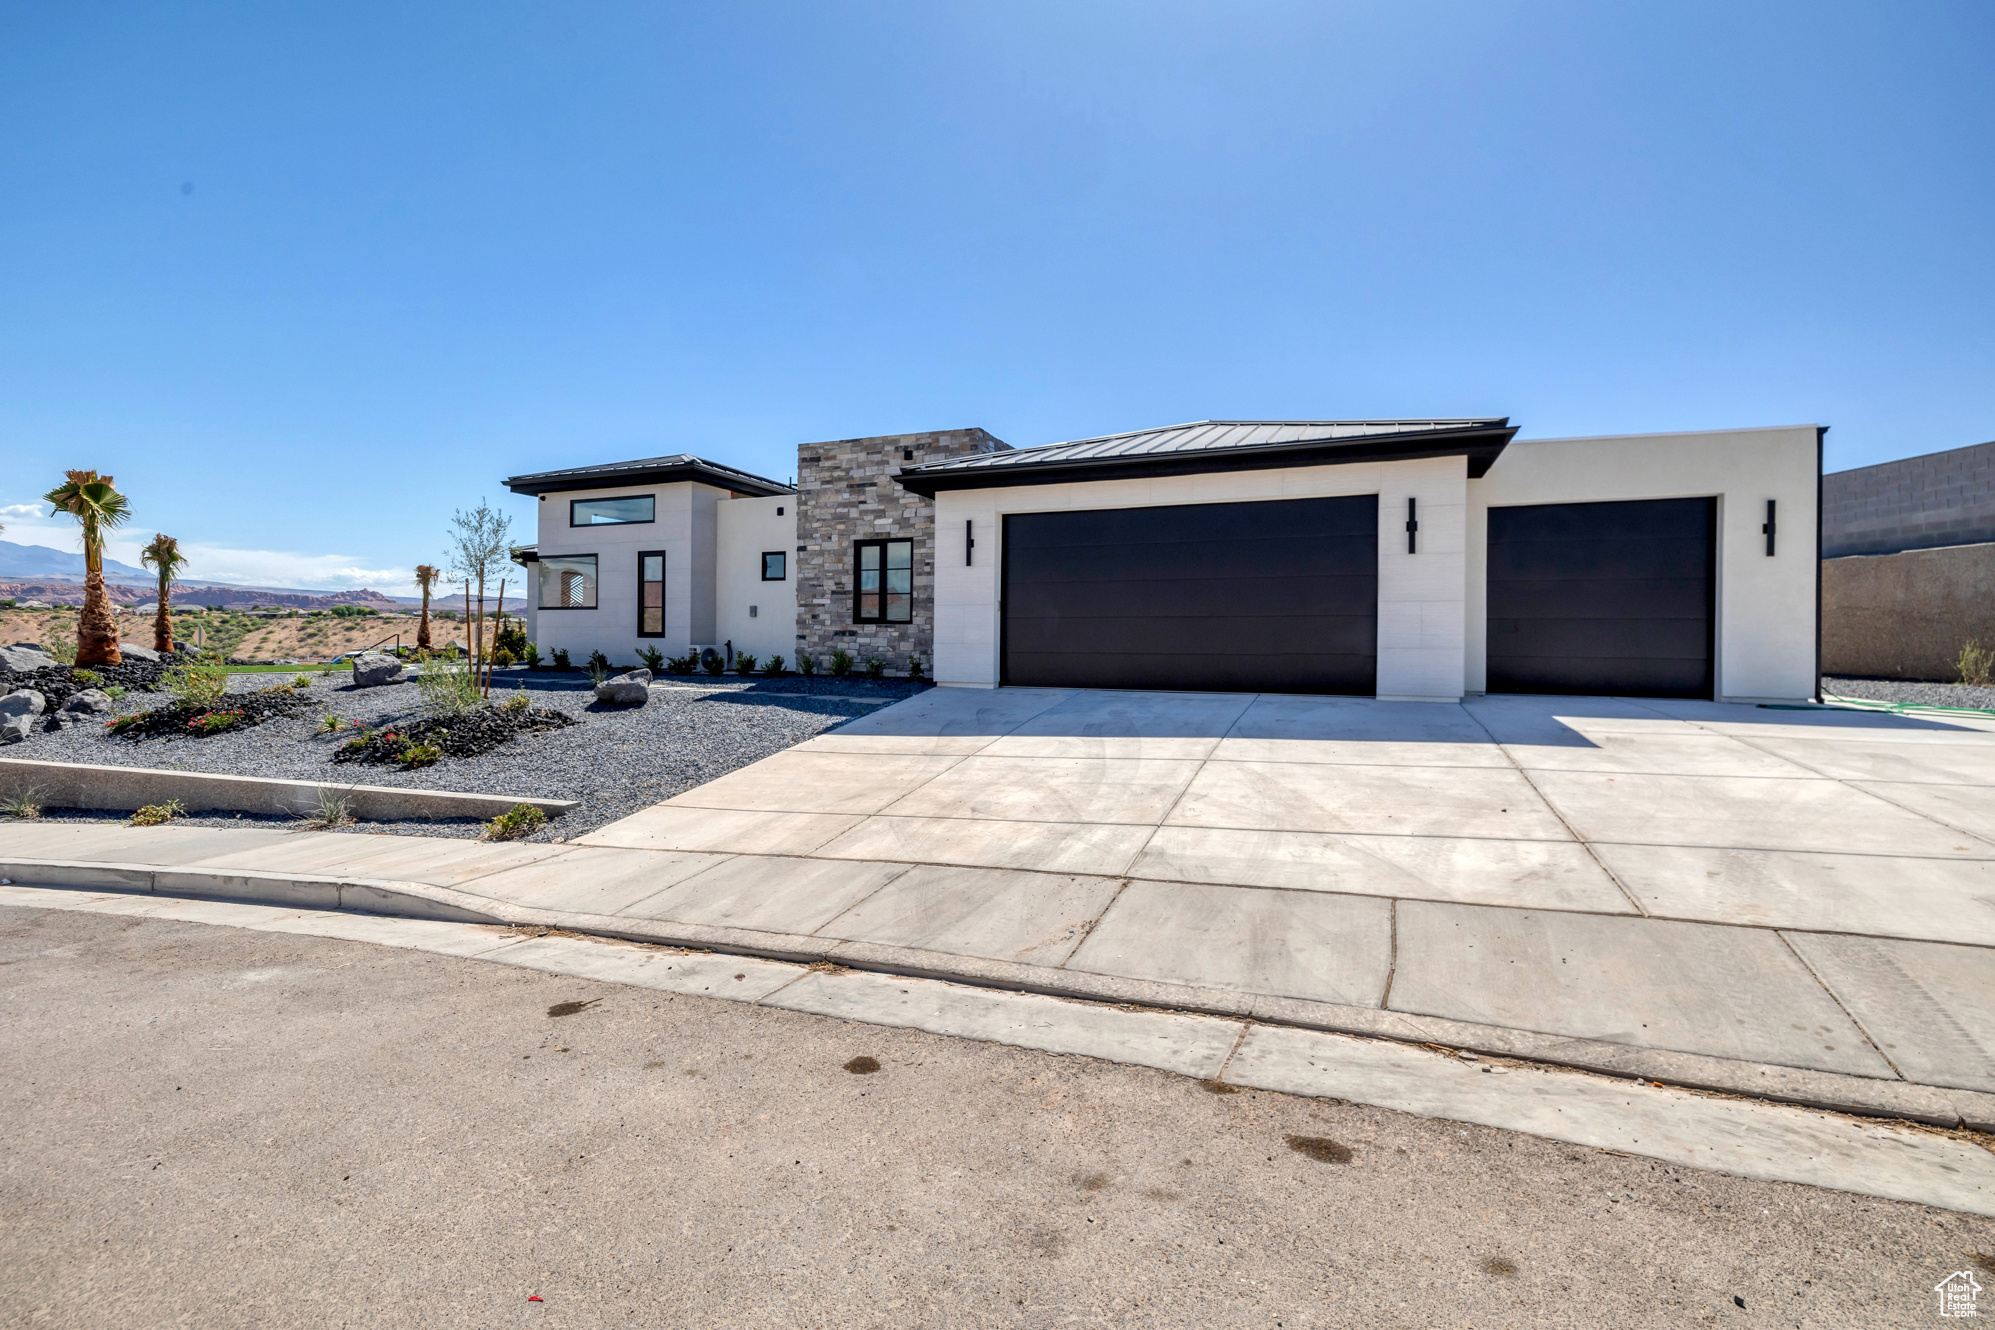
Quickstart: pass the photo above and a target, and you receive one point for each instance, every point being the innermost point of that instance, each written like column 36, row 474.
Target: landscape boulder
column 24, row 656
column 90, row 704
column 137, row 652
column 371, row 669
column 19, row 710
column 625, row 690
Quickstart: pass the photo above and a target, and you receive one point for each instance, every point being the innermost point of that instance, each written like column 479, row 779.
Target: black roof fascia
column 1480, row 444
column 619, row 475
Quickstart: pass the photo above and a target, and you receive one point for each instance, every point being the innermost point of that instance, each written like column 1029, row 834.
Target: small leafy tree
column 480, row 549
column 95, row 503
column 163, row 556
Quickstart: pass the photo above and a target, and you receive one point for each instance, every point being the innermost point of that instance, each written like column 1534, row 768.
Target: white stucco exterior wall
column 1766, row 606
column 683, row 526
column 1421, row 596
column 758, row 617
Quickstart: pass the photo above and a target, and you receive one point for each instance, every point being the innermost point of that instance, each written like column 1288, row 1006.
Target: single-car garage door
column 1265, row 597
column 1602, row 598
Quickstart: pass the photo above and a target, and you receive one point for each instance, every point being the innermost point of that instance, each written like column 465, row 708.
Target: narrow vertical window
column 883, row 581
column 651, row 593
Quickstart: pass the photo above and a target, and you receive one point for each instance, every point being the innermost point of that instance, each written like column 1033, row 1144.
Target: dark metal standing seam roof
column 648, row 471
column 1220, row 445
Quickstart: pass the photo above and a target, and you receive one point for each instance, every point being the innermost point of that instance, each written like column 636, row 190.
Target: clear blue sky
column 305, row 277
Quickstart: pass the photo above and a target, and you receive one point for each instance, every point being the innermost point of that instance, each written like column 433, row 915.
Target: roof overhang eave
column 561, row 482
column 1481, row 445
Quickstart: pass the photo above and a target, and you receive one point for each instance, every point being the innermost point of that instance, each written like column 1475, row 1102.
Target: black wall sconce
column 1412, row 526
column 1767, row 529
column 969, row 541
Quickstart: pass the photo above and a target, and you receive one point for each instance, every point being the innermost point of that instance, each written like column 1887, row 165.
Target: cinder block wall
column 1905, row 616
column 846, row 492
column 1916, row 503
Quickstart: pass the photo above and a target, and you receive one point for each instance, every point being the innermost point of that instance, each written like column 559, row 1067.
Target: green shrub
column 448, row 689
column 685, row 664
column 119, row 724
column 115, row 691
column 598, row 661
column 914, row 667
column 1976, row 664
column 196, row 685
column 841, row 663
column 653, row 658
column 519, row 820
column 511, row 637
column 711, row 659
column 807, row 665
column 744, row 663
column 215, row 722
column 88, row 678
column 331, row 722
column 415, row 756
column 157, row 815
column 561, row 659
column 302, row 681
column 502, row 657
column 517, row 702
column 531, row 656
column 27, row 804
column 875, row 668
column 774, row 667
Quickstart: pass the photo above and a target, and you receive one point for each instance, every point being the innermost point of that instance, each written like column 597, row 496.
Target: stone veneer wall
column 846, row 492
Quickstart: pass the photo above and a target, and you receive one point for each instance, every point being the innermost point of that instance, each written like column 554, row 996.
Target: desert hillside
column 235, row 633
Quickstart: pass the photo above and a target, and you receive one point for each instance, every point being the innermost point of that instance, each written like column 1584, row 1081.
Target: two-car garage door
column 1282, row 596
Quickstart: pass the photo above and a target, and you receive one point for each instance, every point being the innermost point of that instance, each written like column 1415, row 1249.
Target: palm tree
column 426, row 576
column 164, row 556
column 95, row 503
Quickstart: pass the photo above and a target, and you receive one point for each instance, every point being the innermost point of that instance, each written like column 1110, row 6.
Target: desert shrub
column 807, row 665
column 517, row 702
column 334, row 809
column 24, row 804
column 561, row 659
column 875, row 668
column 448, row 689
column 774, row 667
column 653, row 658
column 519, row 820
column 158, row 815
column 841, row 663
column 196, row 685
column 1976, row 664
column 744, row 662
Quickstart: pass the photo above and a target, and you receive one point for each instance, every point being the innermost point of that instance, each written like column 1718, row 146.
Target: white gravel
column 615, row 762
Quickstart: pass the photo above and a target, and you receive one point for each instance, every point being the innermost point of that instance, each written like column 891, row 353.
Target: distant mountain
column 41, row 561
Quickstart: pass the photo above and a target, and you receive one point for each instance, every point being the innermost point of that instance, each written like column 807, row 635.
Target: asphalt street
column 209, row 1126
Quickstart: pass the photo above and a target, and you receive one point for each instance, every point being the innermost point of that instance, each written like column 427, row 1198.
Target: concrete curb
column 81, row 785
column 1829, row 1091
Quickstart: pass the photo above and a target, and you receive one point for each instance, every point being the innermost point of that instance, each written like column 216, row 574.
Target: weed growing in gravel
column 517, row 702
column 841, row 663
column 158, row 815
column 26, row 804
column 807, row 665
column 653, row 658
column 1976, row 665
column 774, row 668
column 331, row 723
column 334, row 809
column 519, row 820
column 302, row 681
column 744, row 663
column 875, row 668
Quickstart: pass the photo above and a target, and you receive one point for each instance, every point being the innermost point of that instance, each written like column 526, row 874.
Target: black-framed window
column 775, row 565
column 567, row 581
column 629, row 510
column 883, row 581
column 651, row 593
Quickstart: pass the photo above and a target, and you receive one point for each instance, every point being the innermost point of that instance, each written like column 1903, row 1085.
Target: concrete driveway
column 1543, row 864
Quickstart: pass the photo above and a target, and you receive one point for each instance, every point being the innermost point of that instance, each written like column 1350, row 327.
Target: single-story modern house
column 1417, row 559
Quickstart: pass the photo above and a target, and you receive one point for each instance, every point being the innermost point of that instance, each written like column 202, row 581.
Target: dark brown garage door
column 1262, row 597
column 1602, row 598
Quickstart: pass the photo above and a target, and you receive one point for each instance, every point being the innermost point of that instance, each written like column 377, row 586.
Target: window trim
column 663, row 566
column 858, row 545
column 641, row 521
column 599, row 582
column 784, row 555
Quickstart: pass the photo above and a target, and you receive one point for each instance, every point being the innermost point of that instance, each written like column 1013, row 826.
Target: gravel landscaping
column 1902, row 691
column 615, row 760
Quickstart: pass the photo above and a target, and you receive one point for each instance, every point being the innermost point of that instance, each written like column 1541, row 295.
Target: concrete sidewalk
column 1793, row 904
